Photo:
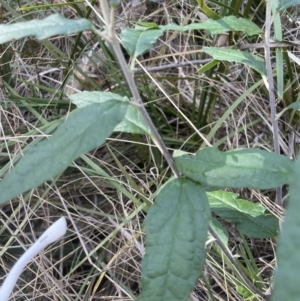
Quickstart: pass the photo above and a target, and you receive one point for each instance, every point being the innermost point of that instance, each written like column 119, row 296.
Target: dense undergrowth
column 193, row 101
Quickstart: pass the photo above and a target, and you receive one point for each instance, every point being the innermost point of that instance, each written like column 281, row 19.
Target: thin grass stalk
column 253, row 288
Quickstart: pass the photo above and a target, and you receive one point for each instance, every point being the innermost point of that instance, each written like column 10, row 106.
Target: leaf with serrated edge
column 237, row 169
column 43, row 29
column 286, row 285
column 232, row 55
column 176, row 231
column 83, row 130
column 133, row 121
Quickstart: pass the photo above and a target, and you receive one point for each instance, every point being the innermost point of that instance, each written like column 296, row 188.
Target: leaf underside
column 249, row 218
column 137, row 42
column 133, row 122
column 176, row 232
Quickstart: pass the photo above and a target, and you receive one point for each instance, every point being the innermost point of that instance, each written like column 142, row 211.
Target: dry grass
column 102, row 193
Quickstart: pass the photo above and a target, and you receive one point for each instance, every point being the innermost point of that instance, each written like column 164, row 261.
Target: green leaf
column 43, row 29
column 176, row 232
column 146, row 25
column 83, row 130
column 137, row 42
column 286, row 286
column 284, row 4
column 207, row 11
column 248, row 217
column 263, row 226
column 142, row 38
column 295, row 105
column 243, row 57
column 280, row 72
column 220, row 230
column 227, row 205
column 244, row 292
column 208, row 66
column 86, row 98
column 237, row 169
column 229, row 23
column 133, row 122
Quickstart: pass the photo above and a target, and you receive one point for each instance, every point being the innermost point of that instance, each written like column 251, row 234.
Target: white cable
column 53, row 233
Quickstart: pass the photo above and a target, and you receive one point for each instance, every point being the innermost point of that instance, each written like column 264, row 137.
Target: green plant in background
column 177, row 223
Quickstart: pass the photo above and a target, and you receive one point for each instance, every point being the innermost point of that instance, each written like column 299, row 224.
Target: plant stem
column 114, row 43
column 136, row 96
column 272, row 89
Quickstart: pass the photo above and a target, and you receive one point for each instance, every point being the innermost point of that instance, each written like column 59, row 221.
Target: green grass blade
column 235, row 104
column 295, row 106
column 210, row 13
column 280, row 75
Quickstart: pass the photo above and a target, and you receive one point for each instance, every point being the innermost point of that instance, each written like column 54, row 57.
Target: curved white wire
column 53, row 233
